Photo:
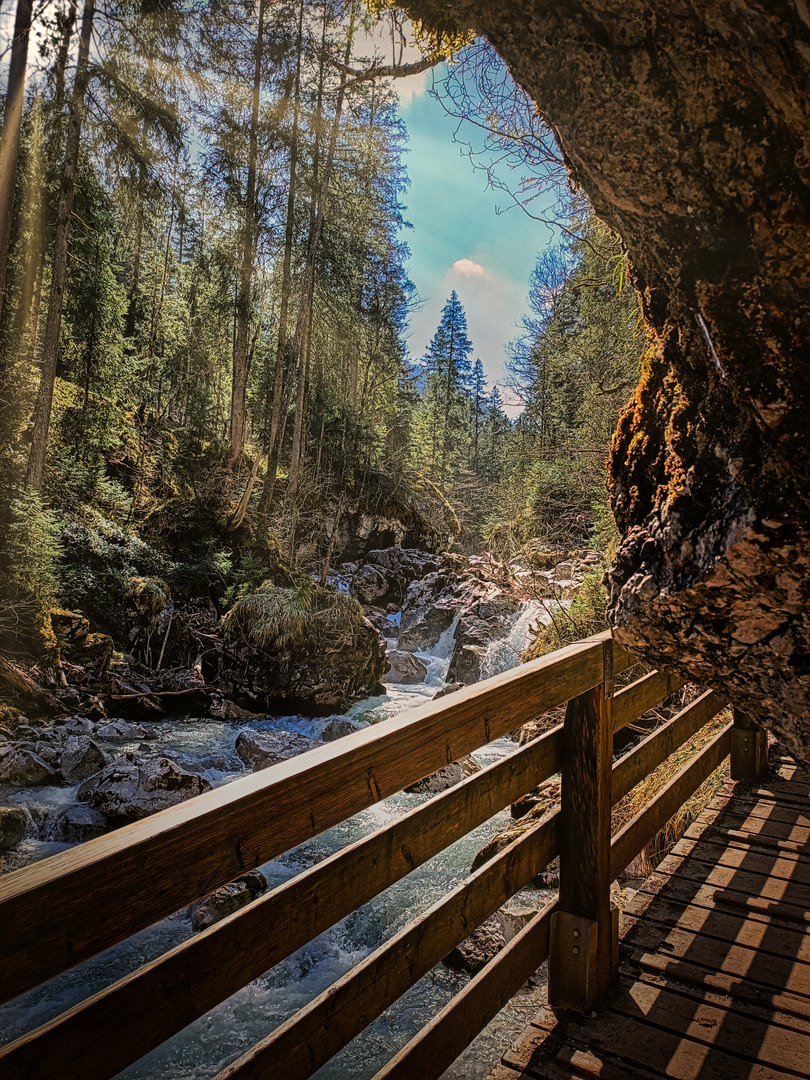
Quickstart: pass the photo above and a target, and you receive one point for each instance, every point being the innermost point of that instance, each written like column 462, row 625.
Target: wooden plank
column 441, row 1041
column 614, row 1042
column 629, row 841
column 164, row 996
column 753, row 965
column 301, row 1045
column 759, row 808
column 661, row 744
column 750, row 929
column 194, row 848
column 720, row 893
column 785, row 866
column 656, row 965
column 733, row 1033
column 668, row 1053
column 778, row 824
column 642, row 695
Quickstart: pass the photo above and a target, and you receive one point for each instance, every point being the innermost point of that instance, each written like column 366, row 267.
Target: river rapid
column 208, row 1045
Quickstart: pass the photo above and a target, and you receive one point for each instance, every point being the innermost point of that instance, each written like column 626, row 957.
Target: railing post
column 749, row 748
column 583, row 953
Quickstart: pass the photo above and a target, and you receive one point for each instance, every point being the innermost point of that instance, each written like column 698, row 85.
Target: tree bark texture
column 687, row 125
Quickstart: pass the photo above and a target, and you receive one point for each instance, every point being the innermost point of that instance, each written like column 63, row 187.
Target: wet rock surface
column 14, row 821
column 405, row 668
column 487, row 940
column 446, row 777
column 130, row 788
column 261, row 749
column 225, row 901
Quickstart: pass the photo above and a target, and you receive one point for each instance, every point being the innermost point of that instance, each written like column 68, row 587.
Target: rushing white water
column 206, row 1046
column 507, row 652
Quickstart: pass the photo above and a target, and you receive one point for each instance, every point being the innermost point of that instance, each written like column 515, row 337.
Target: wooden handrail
column 193, row 848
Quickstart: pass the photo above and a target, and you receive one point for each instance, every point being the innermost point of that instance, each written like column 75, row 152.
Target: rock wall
column 687, row 125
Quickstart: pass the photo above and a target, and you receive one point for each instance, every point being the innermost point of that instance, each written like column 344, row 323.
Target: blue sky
column 459, row 241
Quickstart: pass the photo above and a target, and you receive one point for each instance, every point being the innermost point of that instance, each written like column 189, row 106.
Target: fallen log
column 24, row 686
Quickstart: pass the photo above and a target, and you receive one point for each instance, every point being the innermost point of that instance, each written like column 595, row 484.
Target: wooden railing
column 58, row 913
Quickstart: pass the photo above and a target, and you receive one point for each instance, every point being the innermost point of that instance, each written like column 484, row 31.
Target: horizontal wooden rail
column 657, row 747
column 164, row 996
column 439, row 1043
column 194, row 848
column 638, row 832
column 642, row 695
column 304, row 1043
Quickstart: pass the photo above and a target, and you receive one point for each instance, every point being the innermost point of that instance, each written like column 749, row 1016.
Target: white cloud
column 410, row 87
column 468, row 268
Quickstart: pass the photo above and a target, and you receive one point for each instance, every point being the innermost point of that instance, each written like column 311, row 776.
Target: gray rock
column 120, row 731
column 261, row 749
column 24, row 768
column 446, row 777
column 74, row 725
column 14, row 821
column 405, row 668
column 129, row 789
column 81, row 758
column 448, row 688
column 338, row 726
column 78, row 823
column 223, row 902
column 487, row 940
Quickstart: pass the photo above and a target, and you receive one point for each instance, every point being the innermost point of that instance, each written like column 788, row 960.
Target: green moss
column 96, row 649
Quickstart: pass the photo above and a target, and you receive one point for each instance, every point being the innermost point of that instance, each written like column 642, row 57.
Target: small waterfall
column 506, row 652
column 438, row 659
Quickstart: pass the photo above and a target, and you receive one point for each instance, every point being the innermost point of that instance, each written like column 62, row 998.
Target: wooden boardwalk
column 715, row 957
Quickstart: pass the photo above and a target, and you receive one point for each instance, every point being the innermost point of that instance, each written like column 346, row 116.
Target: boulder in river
column 547, row 797
column 120, row 731
column 22, row 767
column 487, row 940
column 77, row 823
column 81, row 758
column 131, row 789
column 225, row 901
column 14, row 821
column 448, row 776
column 405, row 669
column 304, row 649
column 261, row 749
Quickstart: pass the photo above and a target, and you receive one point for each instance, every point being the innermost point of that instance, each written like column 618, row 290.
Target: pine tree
column 449, row 372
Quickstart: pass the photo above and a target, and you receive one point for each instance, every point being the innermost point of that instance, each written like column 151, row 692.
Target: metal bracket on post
column 584, row 931
column 749, row 749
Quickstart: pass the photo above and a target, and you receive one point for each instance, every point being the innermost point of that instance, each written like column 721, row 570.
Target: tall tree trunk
column 137, row 247
column 12, row 120
column 277, row 426
column 308, row 286
column 50, row 346
column 248, row 256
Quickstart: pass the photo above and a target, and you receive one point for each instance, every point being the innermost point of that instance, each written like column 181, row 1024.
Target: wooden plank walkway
column 714, row 978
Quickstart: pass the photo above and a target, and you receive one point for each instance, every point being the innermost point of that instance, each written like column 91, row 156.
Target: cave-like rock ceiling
column 688, row 125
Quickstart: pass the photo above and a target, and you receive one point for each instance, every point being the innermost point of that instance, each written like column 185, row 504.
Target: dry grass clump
column 149, row 594
column 280, row 619
column 635, row 801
